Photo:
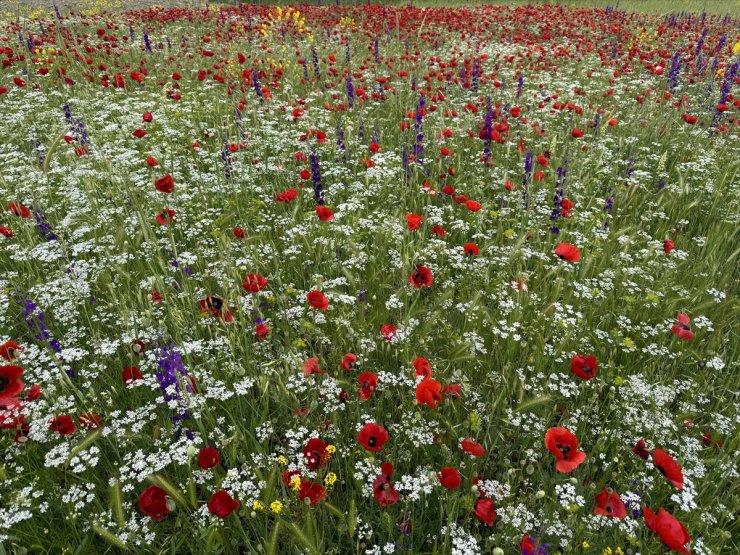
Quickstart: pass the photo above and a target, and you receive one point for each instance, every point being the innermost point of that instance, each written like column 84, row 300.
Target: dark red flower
column 147, row 117
column 208, row 457
column 317, row 300
column 165, row 216
column 254, row 283
column 485, row 511
column 316, row 454
column 564, row 445
column 672, row 532
column 19, row 210
column 165, row 184
column 439, row 231
column 565, row 207
column 668, row 246
column 473, row 205
column 576, row 133
column 422, row 277
column 151, row 161
column 682, row 330
column 368, row 384
column 372, row 437
column 140, row 133
column 640, row 449
column 216, row 307
column 63, row 425
column 584, row 366
column 668, row 467
column 222, row 504
column 262, row 330
column 348, row 362
column 568, row 251
column 154, row 503
column 452, row 391
column 472, row 448
column 138, row 347
column 34, row 392
column 286, row 196
column 130, row 374
column 311, row 492
column 6, row 231
column 324, row 213
column 156, row 296
column 449, row 477
column 428, row 392
column 240, row 232
column 608, row 503
column 10, row 380
column 383, row 491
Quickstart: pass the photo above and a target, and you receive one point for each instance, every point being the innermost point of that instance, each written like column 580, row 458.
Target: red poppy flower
column 452, row 390
column 383, row 491
column 305, row 175
column 138, row 347
column 484, row 511
column 222, row 504
column 239, row 232
column 564, row 445
column 428, row 392
column 312, row 492
column 372, row 437
column 471, row 249
column 154, row 503
column 473, row 205
column 584, row 366
column 568, row 251
column 286, row 196
column 10, row 412
column 165, row 184
column 668, row 467
column 90, row 420
column 152, row 162
column 254, row 283
column 449, row 477
column 63, row 425
column 422, row 277
column 34, row 393
column 422, row 368
column 690, row 119
column 368, row 384
column 311, row 366
column 682, row 330
column 324, row 213
column 413, row 221
column 388, row 331
column 262, row 331
column 147, row 117
column 608, row 503
column 140, row 133
column 130, row 374
column 439, row 231
column 317, row 300
column 208, row 457
column 576, row 133
column 315, row 453
column 529, row 546
column 156, row 296
column 640, row 449
column 10, row 380
column 19, row 210
column 472, row 448
column 668, row 246
column 166, row 216
column 348, row 362
column 216, row 307
column 672, row 532
column 6, row 231
column 374, row 147
column 565, row 207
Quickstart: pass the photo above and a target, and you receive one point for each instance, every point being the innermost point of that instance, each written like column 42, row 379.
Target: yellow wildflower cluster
column 610, row 551
column 284, row 20
column 330, row 479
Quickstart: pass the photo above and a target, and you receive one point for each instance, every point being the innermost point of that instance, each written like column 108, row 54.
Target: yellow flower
column 736, row 48
column 282, row 460
column 276, row 506
column 585, row 545
column 258, row 505
column 331, row 449
column 330, row 479
column 295, row 483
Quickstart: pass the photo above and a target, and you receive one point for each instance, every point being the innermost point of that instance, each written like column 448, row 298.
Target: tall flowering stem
column 316, row 179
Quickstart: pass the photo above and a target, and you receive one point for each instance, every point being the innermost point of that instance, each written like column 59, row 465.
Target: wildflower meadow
column 372, row 279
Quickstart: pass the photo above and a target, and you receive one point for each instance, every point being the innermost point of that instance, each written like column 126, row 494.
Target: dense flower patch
column 369, row 279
